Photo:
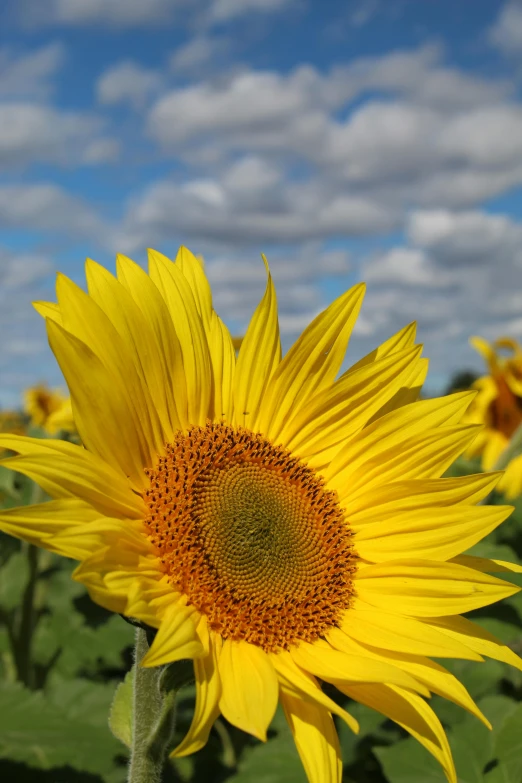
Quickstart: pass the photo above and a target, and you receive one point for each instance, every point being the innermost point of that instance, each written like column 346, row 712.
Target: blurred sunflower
column 276, row 523
column 12, row 422
column 49, row 409
column 498, row 408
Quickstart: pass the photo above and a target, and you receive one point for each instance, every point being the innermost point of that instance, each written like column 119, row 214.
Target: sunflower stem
column 151, row 720
column 513, row 448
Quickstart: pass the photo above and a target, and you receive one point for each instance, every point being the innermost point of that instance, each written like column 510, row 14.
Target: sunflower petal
column 208, row 694
column 312, row 362
column 476, row 638
column 424, row 588
column 148, row 298
column 65, row 470
column 180, row 301
column 401, row 634
column 318, row 430
column 258, row 358
column 412, row 713
column 250, row 689
column 435, row 533
column 40, row 523
column 176, row 637
column 330, row 664
column 304, row 685
column 315, row 738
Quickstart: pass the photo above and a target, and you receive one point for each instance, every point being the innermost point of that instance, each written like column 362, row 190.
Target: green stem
column 513, row 448
column 27, row 622
column 147, row 757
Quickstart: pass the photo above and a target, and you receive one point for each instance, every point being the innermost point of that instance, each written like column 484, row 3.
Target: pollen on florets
column 251, row 536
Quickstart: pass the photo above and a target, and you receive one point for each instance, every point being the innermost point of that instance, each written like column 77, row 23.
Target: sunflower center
column 251, row 535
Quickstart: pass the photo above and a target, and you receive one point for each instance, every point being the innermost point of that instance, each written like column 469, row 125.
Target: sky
column 348, row 140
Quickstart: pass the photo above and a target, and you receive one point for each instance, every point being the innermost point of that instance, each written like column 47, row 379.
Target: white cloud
column 29, row 75
column 102, row 150
column 128, row 13
column 48, row 208
column 435, row 144
column 404, row 265
column 506, row 33
column 30, row 132
column 224, row 10
column 198, row 52
column 138, row 13
column 128, row 82
column 224, row 213
column 467, row 238
column 458, row 275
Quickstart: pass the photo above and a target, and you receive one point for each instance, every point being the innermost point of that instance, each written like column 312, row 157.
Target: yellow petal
column 176, row 637
column 148, row 599
column 83, row 540
column 405, row 429
column 39, row 523
column 106, row 422
column 304, row 686
column 249, row 687
column 426, row 455
column 85, row 320
column 49, row 310
column 180, row 301
column 259, row 356
column 393, row 631
column 436, row 533
column 476, row 638
column 425, row 588
column 319, row 428
column 223, row 367
column 208, row 694
column 432, row 675
column 404, row 338
column 388, row 500
column 412, row 713
column 65, row 470
column 147, row 297
column 315, row 738
column 487, row 565
column 134, row 329
column 333, row 665
column 193, row 271
column 312, row 362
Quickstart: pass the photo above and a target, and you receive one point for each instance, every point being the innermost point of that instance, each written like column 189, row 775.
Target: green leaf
column 120, row 717
column 39, row 732
column 508, row 745
column 276, row 761
column 408, row 762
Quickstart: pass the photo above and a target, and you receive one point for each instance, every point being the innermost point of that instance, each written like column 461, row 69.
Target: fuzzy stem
column 146, row 762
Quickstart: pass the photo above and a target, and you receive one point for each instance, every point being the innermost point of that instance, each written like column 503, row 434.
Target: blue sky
column 347, row 140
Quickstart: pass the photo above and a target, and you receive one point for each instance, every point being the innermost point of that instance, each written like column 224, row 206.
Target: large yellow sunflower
column 498, row 408
column 276, row 523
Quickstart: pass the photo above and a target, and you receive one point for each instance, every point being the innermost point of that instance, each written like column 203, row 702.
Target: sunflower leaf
column 46, row 732
column 508, row 745
column 120, row 717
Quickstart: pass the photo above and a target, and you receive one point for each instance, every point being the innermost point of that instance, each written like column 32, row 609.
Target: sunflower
column 49, row 409
column 276, row 523
column 498, row 408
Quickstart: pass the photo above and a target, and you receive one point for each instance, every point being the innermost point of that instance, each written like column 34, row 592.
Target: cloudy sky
column 347, row 139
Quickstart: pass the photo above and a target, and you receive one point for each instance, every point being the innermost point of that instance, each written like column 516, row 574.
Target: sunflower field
column 221, row 564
